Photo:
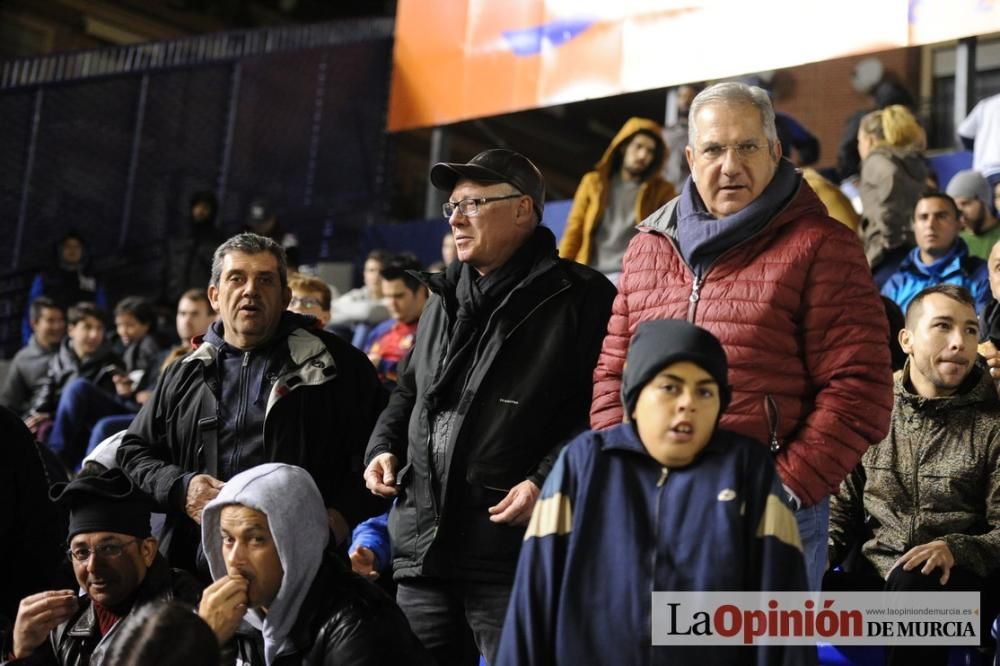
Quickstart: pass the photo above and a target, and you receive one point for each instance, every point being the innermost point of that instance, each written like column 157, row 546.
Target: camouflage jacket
column 936, row 475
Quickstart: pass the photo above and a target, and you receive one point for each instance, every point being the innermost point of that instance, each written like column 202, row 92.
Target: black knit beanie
column 108, row 502
column 657, row 344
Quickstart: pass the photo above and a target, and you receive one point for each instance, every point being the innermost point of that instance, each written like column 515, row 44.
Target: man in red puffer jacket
column 748, row 252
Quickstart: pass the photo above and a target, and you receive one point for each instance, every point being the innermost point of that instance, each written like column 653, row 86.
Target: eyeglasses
column 744, row 151
column 105, row 551
column 307, row 303
column 470, row 207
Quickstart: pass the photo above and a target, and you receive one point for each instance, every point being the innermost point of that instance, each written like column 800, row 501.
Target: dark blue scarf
column 702, row 238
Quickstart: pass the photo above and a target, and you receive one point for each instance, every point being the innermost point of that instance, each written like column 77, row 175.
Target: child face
column 129, row 328
column 676, row 413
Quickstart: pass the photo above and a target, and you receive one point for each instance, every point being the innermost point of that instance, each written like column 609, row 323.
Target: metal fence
column 112, row 143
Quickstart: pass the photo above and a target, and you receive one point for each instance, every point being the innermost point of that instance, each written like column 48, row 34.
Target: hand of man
column 201, row 490
column 380, row 477
column 36, row 419
column 517, row 506
column 123, row 385
column 989, row 352
column 223, row 605
column 142, row 396
column 37, row 615
column 363, row 563
column 934, row 554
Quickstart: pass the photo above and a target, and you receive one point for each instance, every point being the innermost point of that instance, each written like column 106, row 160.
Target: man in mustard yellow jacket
column 623, row 189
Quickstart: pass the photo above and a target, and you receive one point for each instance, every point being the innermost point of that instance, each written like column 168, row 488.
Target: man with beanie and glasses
column 667, row 502
column 115, row 561
column 974, row 198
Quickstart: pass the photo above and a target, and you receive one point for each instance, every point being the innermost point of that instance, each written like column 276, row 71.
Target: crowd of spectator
column 736, row 380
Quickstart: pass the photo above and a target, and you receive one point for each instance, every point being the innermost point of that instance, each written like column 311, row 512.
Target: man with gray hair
column 974, row 198
column 262, row 386
column 748, row 252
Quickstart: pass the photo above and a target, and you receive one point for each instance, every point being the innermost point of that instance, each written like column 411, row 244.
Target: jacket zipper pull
column 663, row 477
column 246, row 359
column 773, row 420
column 694, row 290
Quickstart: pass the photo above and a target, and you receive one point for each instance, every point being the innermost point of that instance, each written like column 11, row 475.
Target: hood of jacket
column 950, row 263
column 908, row 160
column 631, row 126
column 977, row 389
column 289, row 498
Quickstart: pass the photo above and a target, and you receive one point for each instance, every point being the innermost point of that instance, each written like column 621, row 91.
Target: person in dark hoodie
column 263, row 385
column 279, row 596
column 189, row 252
column 684, row 506
column 68, row 282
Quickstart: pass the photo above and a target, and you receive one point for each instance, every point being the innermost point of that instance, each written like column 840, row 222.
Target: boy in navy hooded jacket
column 663, row 502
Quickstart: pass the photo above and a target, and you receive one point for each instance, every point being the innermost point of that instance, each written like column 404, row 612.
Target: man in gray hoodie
column 279, row 597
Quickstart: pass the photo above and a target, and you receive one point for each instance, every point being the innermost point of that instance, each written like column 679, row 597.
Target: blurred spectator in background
column 310, row 296
column 891, row 144
column 980, row 133
column 448, row 254
column 189, row 250
column 164, row 634
column 82, row 354
column 30, row 364
column 675, row 168
column 837, row 204
column 623, row 189
column 353, row 315
column 405, row 295
column 68, row 282
column 263, row 220
column 974, row 198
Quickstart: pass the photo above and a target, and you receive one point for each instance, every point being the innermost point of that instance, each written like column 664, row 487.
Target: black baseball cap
column 497, row 165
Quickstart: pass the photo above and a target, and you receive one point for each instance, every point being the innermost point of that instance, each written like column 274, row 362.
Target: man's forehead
column 89, row 538
column 939, row 306
column 466, row 188
column 732, row 121
column 261, row 262
column 238, row 516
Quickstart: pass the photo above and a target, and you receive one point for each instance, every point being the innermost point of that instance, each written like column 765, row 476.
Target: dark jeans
column 443, row 612
column 960, row 580
column 81, row 405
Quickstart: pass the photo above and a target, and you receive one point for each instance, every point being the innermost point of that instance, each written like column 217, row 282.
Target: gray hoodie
column 289, row 498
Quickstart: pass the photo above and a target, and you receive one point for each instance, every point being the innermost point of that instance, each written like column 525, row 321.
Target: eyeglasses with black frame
column 105, row 551
column 470, row 207
column 306, row 302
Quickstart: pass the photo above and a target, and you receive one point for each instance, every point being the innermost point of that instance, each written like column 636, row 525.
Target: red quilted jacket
column 803, row 326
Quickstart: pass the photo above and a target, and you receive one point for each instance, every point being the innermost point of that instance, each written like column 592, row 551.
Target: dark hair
column 398, row 269
column 953, row 291
column 935, row 194
column 42, row 303
column 381, row 256
column 82, row 310
column 138, row 307
column 654, row 164
column 896, row 323
column 249, row 243
column 198, row 295
column 164, row 634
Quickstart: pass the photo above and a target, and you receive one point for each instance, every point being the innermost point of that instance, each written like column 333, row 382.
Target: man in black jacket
column 278, row 596
column 262, row 386
column 498, row 380
column 116, row 564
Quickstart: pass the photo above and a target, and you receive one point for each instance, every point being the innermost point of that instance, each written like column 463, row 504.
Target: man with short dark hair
column 924, row 504
column 83, row 354
column 355, row 312
column 624, row 188
column 31, row 363
column 279, row 596
column 941, row 256
column 497, row 382
column 116, row 564
column 748, row 252
column 405, row 296
column 264, row 385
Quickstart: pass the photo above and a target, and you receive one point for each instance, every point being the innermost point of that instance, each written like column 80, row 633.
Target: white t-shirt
column 983, row 127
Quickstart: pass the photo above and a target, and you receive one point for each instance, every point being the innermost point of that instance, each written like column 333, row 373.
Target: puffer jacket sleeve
column 845, row 337
column 572, row 239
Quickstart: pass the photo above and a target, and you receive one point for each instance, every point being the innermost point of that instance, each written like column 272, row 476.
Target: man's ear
column 147, row 547
column 906, row 341
column 689, row 156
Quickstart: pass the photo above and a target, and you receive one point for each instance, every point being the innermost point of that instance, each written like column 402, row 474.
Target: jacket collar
column 977, row 389
column 949, row 264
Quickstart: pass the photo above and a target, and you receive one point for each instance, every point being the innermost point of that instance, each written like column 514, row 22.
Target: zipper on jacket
column 694, row 297
column 241, row 414
column 773, row 420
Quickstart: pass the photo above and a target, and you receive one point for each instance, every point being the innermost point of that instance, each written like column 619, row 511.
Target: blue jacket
column 373, row 534
column 612, row 525
column 956, row 267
